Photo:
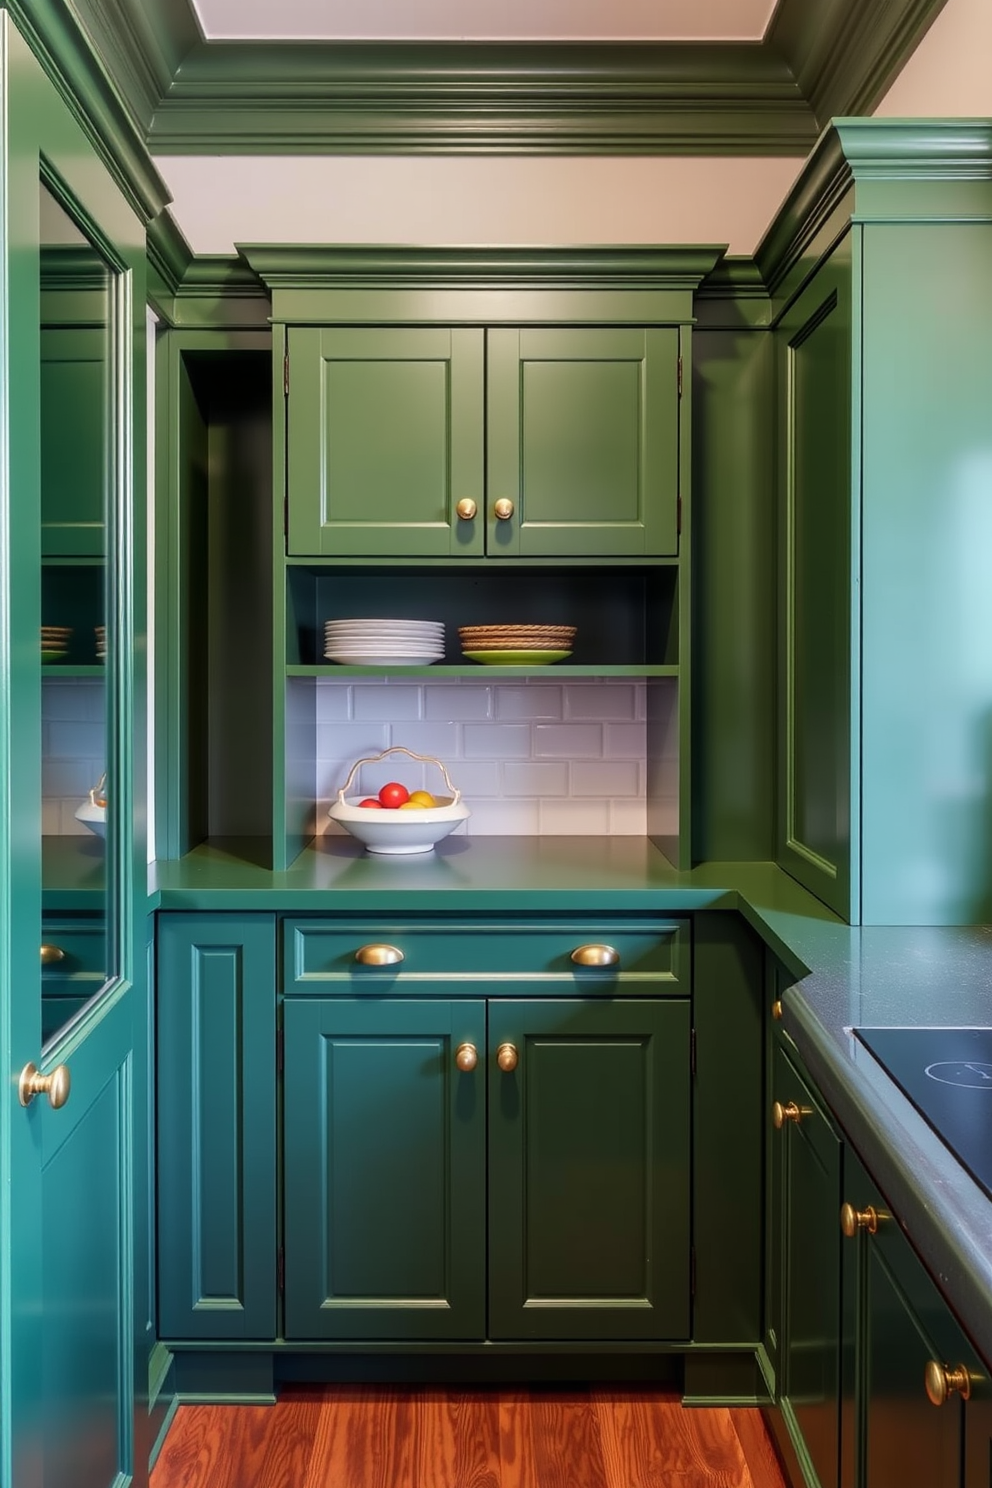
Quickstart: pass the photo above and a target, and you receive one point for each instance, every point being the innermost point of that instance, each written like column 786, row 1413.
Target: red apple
column 393, row 794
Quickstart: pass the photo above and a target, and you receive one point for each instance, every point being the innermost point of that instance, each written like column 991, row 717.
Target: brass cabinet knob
column 466, row 1057
column 503, row 509
column 466, row 508
column 852, row 1220
column 789, row 1112
column 595, row 955
column 56, row 1085
column 50, row 954
column 506, row 1058
column 777, row 1010
column 378, row 955
column 942, row 1382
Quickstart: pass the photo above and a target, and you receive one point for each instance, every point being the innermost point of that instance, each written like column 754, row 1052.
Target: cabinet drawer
column 320, row 955
column 80, row 969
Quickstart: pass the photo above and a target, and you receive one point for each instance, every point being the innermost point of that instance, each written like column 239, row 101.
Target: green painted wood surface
column 810, row 1389
column 818, row 772
column 582, row 436
column 589, row 1170
column 385, row 438
column 216, row 1159
column 384, row 1170
column 74, row 388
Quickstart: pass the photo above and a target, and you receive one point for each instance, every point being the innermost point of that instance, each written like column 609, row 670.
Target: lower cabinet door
column 589, row 1169
column 910, row 1342
column 385, row 1160
column 810, row 1349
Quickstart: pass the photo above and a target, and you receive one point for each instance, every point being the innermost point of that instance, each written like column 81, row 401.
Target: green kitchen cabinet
column 74, row 383
column 923, row 1408
column 522, row 442
column 216, row 1161
column 385, row 1195
column 405, row 1123
column 813, row 1375
column 589, row 1178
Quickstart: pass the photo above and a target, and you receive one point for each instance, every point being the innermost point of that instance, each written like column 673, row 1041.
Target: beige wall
column 950, row 73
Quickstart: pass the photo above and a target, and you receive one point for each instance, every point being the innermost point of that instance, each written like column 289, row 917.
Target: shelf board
column 63, row 669
column 481, row 673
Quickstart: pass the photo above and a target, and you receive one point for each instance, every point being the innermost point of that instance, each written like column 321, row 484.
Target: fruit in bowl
column 398, row 820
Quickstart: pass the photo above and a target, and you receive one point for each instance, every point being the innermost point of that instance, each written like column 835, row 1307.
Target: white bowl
column 94, row 817
column 394, row 831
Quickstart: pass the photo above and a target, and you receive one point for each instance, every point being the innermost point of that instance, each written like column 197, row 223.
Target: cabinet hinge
column 279, row 1051
column 285, row 375
column 280, row 1270
column 680, row 377
column 692, row 1051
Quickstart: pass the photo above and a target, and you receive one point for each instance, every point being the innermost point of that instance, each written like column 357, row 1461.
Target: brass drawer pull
column 56, row 1085
column 852, row 1220
column 51, row 955
column 379, row 955
column 595, row 955
column 503, row 509
column 789, row 1112
column 506, row 1058
column 466, row 508
column 777, row 1010
column 466, row 1057
column 942, row 1382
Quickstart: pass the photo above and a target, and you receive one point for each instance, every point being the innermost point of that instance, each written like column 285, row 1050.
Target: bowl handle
column 373, row 759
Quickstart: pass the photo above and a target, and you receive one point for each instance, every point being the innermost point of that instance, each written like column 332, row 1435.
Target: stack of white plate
column 392, row 643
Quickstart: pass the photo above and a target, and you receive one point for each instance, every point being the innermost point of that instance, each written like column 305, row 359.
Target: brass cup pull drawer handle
column 777, row 1010
column 503, row 509
column 789, row 1112
column 466, row 1057
column 51, row 955
column 507, row 1058
column 852, row 1220
column 595, row 955
column 941, row 1382
column 466, row 509
column 56, row 1085
column 379, row 955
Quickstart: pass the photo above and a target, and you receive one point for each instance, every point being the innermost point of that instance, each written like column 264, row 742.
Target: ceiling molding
column 106, row 116
column 574, row 98
column 378, row 267
column 845, row 54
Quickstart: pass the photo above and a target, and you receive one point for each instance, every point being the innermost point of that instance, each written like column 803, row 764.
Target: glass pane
column 76, row 636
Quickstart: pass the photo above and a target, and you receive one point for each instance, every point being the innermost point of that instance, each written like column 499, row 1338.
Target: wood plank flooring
column 373, row 1436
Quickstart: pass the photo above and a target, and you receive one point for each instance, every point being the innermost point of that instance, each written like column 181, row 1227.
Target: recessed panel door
column 385, row 442
column 589, row 1169
column 385, row 1130
column 583, row 442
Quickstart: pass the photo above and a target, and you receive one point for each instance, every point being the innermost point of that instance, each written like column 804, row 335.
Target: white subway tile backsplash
column 76, row 740
column 529, row 757
column 574, row 818
column 73, row 740
column 518, row 703
column 497, row 741
column 568, row 740
column 583, row 700
column 605, row 778
column 535, row 779
column 624, row 740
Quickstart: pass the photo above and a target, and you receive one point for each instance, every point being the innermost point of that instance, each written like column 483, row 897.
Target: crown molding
column 67, row 55
column 377, row 267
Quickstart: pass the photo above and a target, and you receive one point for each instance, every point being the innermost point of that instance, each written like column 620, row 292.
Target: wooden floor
column 373, row 1436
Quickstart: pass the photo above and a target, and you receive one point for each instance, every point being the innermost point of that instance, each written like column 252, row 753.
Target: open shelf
column 478, row 672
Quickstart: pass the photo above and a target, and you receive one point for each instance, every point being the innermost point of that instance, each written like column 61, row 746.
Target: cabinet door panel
column 589, row 1170
column 216, row 1128
column 73, row 459
column 385, row 438
column 810, row 1349
column 385, row 1170
column 583, row 438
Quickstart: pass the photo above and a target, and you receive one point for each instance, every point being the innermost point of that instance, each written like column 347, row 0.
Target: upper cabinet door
column 73, row 443
column 385, row 439
column 583, row 442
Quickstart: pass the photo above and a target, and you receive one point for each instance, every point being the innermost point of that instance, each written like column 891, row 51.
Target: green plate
column 516, row 658
column 47, row 656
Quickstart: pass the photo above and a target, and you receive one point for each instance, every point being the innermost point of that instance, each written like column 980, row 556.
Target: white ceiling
column 484, row 20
